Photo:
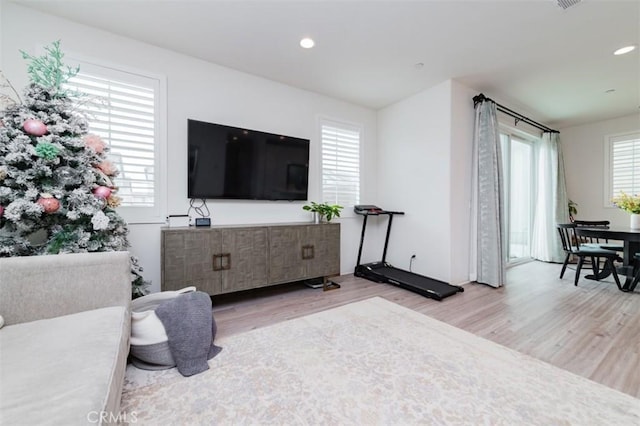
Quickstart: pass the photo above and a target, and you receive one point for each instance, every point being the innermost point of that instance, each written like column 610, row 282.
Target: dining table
column 631, row 239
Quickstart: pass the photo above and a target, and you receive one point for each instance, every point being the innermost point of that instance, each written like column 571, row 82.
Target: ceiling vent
column 566, row 4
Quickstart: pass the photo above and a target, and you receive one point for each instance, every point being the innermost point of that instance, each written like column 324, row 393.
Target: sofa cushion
column 64, row 370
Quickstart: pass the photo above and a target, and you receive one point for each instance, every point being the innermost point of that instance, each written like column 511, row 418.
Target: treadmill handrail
column 367, row 210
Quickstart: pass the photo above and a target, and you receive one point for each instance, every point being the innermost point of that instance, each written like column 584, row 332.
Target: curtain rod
column 519, row 117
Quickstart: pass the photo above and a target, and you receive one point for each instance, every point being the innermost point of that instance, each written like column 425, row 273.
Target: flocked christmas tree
column 57, row 193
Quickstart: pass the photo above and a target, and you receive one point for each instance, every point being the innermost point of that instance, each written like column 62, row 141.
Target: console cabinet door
column 285, row 252
column 245, row 252
column 325, row 242
column 173, row 256
column 188, row 260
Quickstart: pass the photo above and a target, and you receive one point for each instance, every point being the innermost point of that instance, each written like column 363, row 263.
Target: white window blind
column 123, row 115
column 340, row 163
column 625, row 164
column 126, row 109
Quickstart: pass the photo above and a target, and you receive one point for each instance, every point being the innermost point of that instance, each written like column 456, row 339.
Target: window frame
column 609, row 141
column 347, row 125
column 102, row 69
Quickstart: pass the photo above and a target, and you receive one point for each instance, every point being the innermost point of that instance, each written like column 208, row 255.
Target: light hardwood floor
column 592, row 330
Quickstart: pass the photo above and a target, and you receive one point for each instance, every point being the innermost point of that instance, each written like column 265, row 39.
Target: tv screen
column 233, row 163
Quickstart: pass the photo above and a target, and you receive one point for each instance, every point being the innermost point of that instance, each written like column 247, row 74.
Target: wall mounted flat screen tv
column 232, row 163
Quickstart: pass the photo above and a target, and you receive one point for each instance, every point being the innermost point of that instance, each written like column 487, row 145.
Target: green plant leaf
column 48, row 70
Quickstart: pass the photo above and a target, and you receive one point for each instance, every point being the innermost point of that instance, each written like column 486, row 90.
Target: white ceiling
column 533, row 56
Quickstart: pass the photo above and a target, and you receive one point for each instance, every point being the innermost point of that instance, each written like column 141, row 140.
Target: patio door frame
column 519, row 136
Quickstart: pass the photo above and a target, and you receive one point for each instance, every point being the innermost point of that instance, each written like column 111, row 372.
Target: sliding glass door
column 519, row 186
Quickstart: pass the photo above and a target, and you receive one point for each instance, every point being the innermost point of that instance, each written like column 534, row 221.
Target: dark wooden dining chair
column 602, row 243
column 636, row 278
column 572, row 246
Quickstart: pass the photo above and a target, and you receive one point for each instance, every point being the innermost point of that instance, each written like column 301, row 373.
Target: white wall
column 208, row 92
column 425, row 146
column 1, row 37
column 583, row 148
column 462, row 125
column 414, row 147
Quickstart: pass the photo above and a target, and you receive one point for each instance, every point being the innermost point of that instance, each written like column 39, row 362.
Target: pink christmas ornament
column 102, row 192
column 1, row 211
column 34, row 127
column 94, row 142
column 107, row 168
column 49, row 204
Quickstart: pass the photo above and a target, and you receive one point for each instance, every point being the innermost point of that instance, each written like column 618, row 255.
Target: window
column 622, row 165
column 340, row 163
column 124, row 109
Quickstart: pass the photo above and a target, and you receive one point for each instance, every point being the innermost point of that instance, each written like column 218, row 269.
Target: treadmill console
column 367, row 209
column 371, row 210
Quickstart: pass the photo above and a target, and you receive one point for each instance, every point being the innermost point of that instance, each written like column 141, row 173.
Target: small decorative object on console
column 323, row 210
column 203, row 221
column 178, row 220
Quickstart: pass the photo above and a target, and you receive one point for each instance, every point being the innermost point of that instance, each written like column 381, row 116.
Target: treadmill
column 383, row 272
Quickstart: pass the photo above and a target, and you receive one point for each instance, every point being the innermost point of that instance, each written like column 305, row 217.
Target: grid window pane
column 124, row 116
column 625, row 165
column 340, row 164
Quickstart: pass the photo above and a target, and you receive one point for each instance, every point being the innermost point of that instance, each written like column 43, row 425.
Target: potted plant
column 323, row 210
column 631, row 205
column 573, row 209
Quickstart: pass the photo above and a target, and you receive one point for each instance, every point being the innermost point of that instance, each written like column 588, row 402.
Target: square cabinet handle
column 222, row 261
column 308, row 251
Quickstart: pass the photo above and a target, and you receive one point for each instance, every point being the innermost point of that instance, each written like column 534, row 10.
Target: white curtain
column 488, row 258
column 551, row 206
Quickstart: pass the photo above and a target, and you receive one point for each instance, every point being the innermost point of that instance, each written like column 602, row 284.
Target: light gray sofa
column 64, row 345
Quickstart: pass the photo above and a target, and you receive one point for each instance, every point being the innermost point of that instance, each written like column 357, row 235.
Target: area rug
column 371, row 362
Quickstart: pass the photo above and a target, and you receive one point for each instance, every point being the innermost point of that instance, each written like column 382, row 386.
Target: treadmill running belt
column 424, row 285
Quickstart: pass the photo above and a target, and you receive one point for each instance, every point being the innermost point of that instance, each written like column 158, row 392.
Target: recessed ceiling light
column 624, row 50
column 307, row 43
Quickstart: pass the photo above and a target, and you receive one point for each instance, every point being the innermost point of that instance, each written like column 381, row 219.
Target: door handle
column 217, row 262
column 222, row 261
column 308, row 252
column 226, row 261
